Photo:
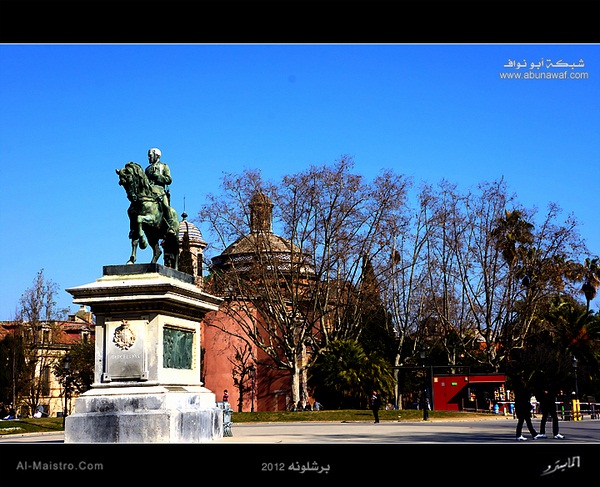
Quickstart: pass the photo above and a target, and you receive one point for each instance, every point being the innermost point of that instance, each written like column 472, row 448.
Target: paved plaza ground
column 315, row 453
column 494, row 430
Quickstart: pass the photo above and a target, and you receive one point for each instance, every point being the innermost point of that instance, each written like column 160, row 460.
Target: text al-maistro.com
column 52, row 465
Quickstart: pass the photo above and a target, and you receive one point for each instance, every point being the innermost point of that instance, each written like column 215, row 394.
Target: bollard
column 576, row 410
column 226, row 418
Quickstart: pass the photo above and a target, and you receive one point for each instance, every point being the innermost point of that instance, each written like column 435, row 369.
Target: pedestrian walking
column 563, row 404
column 534, row 405
column 375, row 404
column 523, row 412
column 548, row 410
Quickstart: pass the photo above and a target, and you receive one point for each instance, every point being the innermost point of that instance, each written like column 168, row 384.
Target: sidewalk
column 494, row 429
column 316, row 453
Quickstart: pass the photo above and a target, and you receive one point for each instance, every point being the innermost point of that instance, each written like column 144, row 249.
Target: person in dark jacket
column 523, row 412
column 548, row 410
column 375, row 404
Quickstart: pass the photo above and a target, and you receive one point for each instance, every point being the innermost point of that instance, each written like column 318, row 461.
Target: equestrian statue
column 152, row 220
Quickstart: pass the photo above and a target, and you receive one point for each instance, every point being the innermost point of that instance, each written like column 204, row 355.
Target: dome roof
column 243, row 252
column 263, row 241
column 260, row 240
column 192, row 230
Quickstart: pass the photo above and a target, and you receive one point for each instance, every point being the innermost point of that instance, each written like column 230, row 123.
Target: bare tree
column 467, row 273
column 293, row 296
column 470, row 274
column 483, row 274
column 403, row 280
column 493, row 271
column 40, row 332
column 448, row 325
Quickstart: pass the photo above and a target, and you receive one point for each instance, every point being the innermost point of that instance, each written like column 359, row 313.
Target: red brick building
column 228, row 361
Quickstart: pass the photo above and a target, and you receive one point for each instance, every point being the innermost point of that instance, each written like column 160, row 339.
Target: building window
column 45, row 378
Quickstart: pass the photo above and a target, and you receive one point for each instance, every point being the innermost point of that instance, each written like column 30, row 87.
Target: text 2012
column 273, row 467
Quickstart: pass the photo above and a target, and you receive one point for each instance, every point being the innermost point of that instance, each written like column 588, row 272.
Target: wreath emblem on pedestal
column 124, row 338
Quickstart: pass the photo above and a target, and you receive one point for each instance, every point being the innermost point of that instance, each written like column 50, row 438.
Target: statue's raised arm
column 151, row 218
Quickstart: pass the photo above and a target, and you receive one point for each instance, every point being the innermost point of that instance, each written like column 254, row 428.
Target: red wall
column 272, row 387
column 450, row 391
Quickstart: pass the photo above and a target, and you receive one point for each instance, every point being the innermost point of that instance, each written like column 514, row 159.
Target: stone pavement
column 492, row 430
column 486, row 430
column 314, row 453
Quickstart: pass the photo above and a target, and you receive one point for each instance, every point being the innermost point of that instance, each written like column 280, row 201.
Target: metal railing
column 573, row 410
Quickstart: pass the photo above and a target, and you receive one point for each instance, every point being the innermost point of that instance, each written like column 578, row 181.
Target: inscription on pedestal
column 125, row 354
column 178, row 348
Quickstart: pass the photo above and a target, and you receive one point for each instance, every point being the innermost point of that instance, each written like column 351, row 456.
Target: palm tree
column 344, row 376
column 576, row 333
column 591, row 270
column 511, row 234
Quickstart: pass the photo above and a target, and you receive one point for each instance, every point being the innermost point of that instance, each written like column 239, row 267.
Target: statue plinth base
column 147, row 385
column 145, row 415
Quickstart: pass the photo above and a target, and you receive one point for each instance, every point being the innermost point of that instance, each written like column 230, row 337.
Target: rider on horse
column 152, row 221
column 159, row 175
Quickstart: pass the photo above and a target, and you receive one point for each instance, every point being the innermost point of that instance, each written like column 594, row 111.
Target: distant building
column 52, row 341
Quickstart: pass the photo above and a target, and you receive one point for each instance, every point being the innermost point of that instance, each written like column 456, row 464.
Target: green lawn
column 31, row 425
column 349, row 415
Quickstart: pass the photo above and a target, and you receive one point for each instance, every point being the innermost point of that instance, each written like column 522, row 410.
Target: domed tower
column 191, row 252
column 261, row 244
column 255, row 263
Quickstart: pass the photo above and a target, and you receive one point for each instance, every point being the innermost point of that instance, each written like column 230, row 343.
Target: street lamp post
column 253, row 385
column 575, row 405
column 67, row 367
column 575, row 362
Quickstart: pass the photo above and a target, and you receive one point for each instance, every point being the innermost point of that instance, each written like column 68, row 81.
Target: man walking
column 548, row 409
column 523, row 411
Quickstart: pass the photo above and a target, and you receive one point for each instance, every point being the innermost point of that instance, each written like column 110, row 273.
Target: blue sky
column 72, row 114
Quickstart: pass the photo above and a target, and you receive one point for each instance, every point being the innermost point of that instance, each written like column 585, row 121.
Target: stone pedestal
column 147, row 386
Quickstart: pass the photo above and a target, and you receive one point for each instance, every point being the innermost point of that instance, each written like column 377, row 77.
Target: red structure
column 459, row 392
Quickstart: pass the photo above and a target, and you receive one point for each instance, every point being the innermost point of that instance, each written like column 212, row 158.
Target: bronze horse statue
column 147, row 223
